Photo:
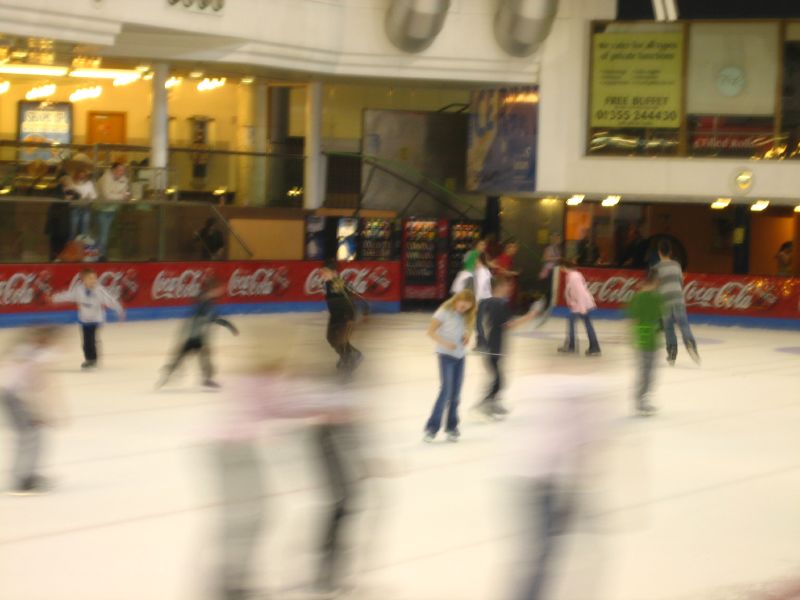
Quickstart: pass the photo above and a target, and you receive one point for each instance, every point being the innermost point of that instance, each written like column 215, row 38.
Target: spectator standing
column 79, row 187
column 551, row 257
column 784, row 259
column 670, row 285
column 114, row 189
column 212, row 241
column 588, row 252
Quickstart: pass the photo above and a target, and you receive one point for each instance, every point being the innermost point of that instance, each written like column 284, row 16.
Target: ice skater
column 341, row 306
column 92, row 300
column 483, row 291
column 450, row 328
column 580, row 303
column 31, row 403
column 670, row 285
column 646, row 311
column 195, row 339
column 498, row 317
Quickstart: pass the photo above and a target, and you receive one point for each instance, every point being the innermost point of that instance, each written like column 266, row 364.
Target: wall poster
column 44, row 123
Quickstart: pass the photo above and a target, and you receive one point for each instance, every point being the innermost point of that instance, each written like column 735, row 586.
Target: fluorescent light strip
column 672, row 10
column 609, row 201
column 759, row 205
column 106, row 74
column 575, row 200
column 659, row 10
column 721, row 203
column 40, row 70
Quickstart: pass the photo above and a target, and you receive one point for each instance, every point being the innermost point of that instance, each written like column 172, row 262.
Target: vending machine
column 424, row 257
column 377, row 239
column 315, row 238
column 463, row 237
column 347, row 239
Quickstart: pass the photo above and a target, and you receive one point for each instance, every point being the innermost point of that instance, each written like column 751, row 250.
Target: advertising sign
column 637, row 80
column 732, row 295
column 501, row 156
column 44, row 123
column 154, row 286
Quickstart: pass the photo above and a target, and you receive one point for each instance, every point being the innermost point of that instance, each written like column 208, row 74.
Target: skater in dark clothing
column 204, row 314
column 340, row 300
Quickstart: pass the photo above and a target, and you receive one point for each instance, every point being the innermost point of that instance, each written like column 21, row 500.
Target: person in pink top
column 580, row 303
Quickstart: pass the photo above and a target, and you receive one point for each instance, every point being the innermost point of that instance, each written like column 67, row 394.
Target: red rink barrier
column 724, row 295
column 26, row 289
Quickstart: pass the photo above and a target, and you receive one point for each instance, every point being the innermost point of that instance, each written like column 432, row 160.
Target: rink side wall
column 732, row 300
column 151, row 291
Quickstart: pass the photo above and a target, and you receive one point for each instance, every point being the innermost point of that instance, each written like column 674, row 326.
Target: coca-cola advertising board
column 732, row 295
column 150, row 287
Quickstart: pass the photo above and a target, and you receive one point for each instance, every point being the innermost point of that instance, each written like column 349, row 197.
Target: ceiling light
column 575, row 200
column 797, row 208
column 143, row 68
column 196, row 74
column 42, row 70
column 126, row 80
column 721, row 203
column 248, row 80
column 42, row 91
column 86, row 93
column 173, row 82
column 759, row 205
column 105, row 73
column 210, row 84
column 19, row 54
column 4, row 87
column 611, row 201
column 148, row 76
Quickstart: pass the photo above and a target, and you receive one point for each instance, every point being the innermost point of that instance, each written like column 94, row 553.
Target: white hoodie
column 91, row 303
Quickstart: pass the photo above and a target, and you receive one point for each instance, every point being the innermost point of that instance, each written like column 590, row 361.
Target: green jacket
column 646, row 309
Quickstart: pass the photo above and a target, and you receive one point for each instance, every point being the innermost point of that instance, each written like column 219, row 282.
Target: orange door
column 106, row 128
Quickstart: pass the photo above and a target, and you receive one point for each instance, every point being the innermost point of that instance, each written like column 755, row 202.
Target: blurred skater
column 670, row 285
column 550, row 258
column 646, row 311
column 483, row 291
column 31, row 403
column 450, row 328
column 204, row 315
column 341, row 306
column 580, row 303
column 498, row 317
column 92, row 300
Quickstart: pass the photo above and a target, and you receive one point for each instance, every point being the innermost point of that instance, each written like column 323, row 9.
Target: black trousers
column 493, row 363
column 191, row 346
column 339, row 332
column 89, row 336
column 338, row 451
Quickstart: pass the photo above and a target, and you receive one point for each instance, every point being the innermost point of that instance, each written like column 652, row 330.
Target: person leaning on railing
column 114, row 189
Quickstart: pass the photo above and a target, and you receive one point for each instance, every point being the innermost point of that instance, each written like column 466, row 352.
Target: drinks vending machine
column 463, row 237
column 377, row 239
column 424, row 258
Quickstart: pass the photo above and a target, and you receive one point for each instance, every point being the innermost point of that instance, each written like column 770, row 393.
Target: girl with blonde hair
column 450, row 328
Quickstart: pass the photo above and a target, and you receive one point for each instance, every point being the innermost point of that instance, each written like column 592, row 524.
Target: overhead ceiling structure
column 412, row 25
column 520, row 26
column 671, row 10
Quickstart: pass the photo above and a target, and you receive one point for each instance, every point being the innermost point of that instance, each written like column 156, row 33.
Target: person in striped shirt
column 670, row 286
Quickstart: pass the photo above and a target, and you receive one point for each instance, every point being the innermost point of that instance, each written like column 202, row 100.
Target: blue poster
column 501, row 156
column 44, row 123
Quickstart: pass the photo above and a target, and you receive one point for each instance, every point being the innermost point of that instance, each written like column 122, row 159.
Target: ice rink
column 698, row 503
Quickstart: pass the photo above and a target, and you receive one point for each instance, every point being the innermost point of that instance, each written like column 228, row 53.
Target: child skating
column 580, row 303
column 497, row 318
column 450, row 328
column 340, row 300
column 31, row 404
column 195, row 339
column 646, row 311
column 670, row 285
column 92, row 300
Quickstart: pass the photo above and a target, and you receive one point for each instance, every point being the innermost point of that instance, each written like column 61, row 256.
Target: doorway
column 106, row 128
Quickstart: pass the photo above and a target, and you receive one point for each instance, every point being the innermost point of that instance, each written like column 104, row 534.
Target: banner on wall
column 501, row 154
column 731, row 295
column 28, row 288
column 637, row 80
column 44, row 123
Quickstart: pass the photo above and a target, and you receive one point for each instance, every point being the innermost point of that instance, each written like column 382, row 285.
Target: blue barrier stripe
column 700, row 319
column 178, row 312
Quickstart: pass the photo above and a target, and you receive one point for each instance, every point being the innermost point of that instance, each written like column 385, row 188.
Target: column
column 258, row 173
column 277, row 134
column 159, row 124
column 314, row 181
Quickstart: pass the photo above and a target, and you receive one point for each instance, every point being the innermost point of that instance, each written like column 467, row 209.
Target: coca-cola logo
column 18, row 289
column 732, row 295
column 171, row 286
column 261, row 282
column 371, row 281
column 614, row 290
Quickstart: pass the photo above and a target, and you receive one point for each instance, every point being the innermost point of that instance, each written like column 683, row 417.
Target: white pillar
column 258, row 175
column 314, row 182
column 159, row 123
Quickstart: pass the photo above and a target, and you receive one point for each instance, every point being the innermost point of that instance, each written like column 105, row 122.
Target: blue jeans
column 593, row 343
column 451, row 371
column 79, row 221
column 677, row 315
column 105, row 218
column 481, row 333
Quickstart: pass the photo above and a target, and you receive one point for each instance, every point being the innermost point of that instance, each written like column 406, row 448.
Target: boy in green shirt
column 646, row 310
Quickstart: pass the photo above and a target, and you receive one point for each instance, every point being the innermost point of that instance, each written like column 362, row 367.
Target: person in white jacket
column 114, row 189
column 483, row 291
column 92, row 300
